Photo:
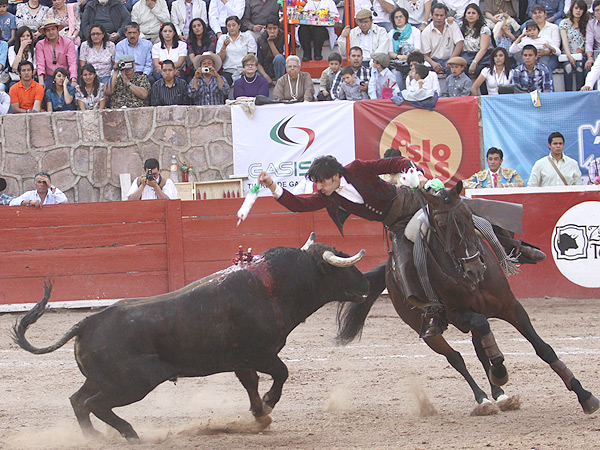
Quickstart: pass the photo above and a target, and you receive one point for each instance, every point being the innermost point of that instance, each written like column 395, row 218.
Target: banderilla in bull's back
column 236, row 320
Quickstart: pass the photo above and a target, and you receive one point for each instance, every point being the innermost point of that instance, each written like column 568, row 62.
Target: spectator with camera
column 127, row 88
column 207, row 86
column 152, row 185
column 170, row 89
column 43, row 194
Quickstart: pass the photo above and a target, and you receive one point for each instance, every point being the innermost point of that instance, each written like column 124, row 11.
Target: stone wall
column 85, row 151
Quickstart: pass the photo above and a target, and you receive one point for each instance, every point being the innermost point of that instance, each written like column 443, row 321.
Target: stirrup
column 433, row 322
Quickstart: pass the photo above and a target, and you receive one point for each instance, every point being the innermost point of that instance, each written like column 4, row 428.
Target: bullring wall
column 85, row 151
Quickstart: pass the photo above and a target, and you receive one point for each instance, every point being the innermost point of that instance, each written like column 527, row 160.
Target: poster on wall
column 284, row 139
column 513, row 124
column 443, row 142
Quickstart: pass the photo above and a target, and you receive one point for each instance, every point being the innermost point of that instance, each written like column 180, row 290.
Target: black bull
column 235, row 320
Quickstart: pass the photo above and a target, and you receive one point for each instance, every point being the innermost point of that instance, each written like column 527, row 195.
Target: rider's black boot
column 434, row 322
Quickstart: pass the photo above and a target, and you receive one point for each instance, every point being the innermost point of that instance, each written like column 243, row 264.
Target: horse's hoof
column 267, row 409
column 486, row 408
column 591, row 405
column 498, row 375
column 263, row 421
column 506, row 403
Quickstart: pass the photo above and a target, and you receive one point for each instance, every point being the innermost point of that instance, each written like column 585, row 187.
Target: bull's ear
column 458, row 188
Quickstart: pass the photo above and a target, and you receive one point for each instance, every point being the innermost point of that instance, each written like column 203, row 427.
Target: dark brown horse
column 467, row 277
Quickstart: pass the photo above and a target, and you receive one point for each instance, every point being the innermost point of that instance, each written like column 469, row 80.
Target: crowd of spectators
column 219, row 49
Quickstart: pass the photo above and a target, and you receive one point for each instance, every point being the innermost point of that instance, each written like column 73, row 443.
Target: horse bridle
column 437, row 232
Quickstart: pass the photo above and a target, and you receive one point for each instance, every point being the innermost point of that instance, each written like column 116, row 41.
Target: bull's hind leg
column 520, row 320
column 81, row 412
column 249, row 379
column 124, row 385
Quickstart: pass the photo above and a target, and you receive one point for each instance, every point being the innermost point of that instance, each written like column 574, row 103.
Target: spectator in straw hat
column 207, row 86
column 55, row 51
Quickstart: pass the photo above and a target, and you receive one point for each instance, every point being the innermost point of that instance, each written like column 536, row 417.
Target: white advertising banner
column 284, row 139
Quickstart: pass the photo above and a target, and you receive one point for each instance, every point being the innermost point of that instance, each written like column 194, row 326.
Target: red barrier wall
column 125, row 250
column 542, row 209
column 132, row 249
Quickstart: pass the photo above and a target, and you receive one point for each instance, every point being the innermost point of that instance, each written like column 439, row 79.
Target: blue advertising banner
column 513, row 124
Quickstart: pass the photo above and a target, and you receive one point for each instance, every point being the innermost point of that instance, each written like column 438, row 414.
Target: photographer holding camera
column 152, row 185
column 208, row 87
column 128, row 89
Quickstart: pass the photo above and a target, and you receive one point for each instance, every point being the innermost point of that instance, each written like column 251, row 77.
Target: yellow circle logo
column 427, row 138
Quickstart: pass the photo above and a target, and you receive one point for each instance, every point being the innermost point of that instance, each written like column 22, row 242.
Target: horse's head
column 452, row 225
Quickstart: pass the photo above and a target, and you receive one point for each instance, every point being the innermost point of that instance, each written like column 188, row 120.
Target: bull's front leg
column 279, row 372
column 249, row 379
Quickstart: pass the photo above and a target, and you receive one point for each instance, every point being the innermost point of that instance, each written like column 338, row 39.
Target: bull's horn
column 311, row 241
column 339, row 261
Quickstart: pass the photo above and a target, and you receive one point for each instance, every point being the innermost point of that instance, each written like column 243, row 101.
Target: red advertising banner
column 443, row 142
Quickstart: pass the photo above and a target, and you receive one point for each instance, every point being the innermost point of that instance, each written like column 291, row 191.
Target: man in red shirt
column 27, row 95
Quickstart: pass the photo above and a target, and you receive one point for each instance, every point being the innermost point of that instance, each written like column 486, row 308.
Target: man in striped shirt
column 169, row 90
column 362, row 73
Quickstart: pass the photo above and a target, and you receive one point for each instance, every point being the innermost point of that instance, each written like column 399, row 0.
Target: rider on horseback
column 357, row 189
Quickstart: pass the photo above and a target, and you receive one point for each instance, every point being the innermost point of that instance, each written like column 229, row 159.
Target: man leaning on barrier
column 43, row 194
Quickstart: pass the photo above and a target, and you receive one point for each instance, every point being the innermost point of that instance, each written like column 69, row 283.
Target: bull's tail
column 19, row 328
column 351, row 316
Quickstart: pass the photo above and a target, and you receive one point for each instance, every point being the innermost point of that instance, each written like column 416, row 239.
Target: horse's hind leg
column 520, row 320
column 439, row 345
column 81, row 412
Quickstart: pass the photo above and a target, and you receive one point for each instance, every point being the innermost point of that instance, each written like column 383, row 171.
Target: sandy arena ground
column 368, row 395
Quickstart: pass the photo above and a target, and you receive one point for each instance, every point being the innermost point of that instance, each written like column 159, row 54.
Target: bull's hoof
column 506, row 403
column 498, row 375
column 485, row 408
column 591, row 405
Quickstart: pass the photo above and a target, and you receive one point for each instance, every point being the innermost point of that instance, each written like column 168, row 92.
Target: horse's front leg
column 520, row 320
column 465, row 319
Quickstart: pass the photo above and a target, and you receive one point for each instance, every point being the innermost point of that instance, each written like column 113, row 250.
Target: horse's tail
column 351, row 316
column 19, row 328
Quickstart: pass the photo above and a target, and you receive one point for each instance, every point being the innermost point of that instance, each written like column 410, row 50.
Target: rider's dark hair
column 392, row 153
column 323, row 168
column 495, row 151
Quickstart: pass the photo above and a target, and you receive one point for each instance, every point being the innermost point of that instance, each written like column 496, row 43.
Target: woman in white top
column 313, row 33
column 404, row 38
column 169, row 47
column 23, row 50
column 419, row 12
column 220, row 10
column 184, row 11
column 233, row 46
column 497, row 74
